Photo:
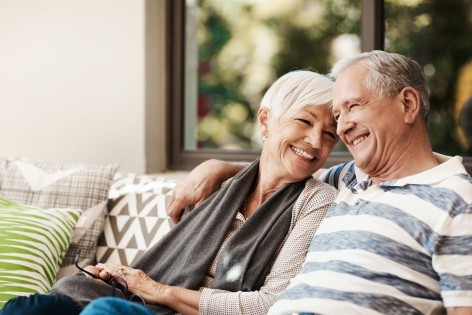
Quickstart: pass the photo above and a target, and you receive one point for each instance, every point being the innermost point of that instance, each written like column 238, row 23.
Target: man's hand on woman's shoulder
column 200, row 183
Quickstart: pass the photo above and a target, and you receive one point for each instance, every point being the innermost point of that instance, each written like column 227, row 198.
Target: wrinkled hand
column 138, row 282
column 201, row 182
column 99, row 273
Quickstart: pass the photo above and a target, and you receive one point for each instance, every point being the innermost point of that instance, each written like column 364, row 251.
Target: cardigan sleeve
column 310, row 208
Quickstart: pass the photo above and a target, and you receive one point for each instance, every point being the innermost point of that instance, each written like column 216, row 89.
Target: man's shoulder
column 340, row 176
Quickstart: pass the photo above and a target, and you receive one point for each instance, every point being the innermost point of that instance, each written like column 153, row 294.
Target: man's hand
column 201, row 182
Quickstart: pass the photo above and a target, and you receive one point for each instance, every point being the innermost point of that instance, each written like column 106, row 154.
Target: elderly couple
column 395, row 240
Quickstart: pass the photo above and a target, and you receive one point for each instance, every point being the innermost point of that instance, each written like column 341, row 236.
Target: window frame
column 178, row 158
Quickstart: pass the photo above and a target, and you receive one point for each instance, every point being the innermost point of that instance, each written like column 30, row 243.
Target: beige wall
column 83, row 81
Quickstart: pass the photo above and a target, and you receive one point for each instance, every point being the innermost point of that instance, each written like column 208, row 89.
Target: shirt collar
column 448, row 166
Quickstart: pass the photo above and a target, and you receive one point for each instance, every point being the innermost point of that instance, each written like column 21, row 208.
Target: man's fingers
column 176, row 209
column 176, row 216
column 199, row 184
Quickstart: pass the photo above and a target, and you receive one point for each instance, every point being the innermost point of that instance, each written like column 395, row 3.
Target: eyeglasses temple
column 80, row 268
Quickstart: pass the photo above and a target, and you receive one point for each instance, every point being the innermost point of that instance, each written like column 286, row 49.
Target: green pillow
column 33, row 242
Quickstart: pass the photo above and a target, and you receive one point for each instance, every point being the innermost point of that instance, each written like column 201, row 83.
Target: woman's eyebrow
column 311, row 114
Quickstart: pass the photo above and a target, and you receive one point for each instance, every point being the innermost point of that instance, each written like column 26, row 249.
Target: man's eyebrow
column 353, row 100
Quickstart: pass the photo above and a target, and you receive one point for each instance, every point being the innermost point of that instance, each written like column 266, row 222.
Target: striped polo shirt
column 399, row 247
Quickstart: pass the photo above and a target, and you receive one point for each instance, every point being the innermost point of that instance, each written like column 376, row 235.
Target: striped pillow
column 62, row 185
column 33, row 243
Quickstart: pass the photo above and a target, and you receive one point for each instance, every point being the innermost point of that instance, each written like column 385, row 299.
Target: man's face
column 369, row 125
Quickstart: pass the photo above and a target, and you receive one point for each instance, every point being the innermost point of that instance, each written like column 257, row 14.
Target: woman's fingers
column 93, row 270
column 99, row 273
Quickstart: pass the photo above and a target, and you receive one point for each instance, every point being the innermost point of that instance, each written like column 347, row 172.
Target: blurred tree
column 246, row 45
column 436, row 33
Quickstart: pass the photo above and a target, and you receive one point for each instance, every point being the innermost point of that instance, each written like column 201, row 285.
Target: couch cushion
column 137, row 217
column 70, row 185
column 33, row 243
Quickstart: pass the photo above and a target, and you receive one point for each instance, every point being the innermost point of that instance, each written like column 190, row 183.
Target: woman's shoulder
column 314, row 186
column 315, row 196
column 314, row 201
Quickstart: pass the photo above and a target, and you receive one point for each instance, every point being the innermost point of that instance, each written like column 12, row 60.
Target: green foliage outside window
column 245, row 45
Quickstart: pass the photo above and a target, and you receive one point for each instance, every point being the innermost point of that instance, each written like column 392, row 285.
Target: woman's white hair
column 296, row 90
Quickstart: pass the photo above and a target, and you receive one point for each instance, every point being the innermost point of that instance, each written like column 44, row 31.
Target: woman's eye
column 307, row 122
column 330, row 135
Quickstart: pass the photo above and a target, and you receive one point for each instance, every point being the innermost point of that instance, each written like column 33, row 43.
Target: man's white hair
column 388, row 74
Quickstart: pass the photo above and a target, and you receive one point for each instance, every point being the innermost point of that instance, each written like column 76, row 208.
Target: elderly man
column 398, row 237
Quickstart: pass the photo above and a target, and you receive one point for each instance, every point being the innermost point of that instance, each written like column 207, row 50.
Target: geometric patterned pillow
column 136, row 219
column 124, row 183
column 33, row 242
column 71, row 185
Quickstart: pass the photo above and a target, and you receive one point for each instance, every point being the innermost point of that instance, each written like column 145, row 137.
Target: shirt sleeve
column 310, row 208
column 452, row 259
column 334, row 176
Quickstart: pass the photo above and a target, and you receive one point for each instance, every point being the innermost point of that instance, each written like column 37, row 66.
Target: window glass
column 438, row 35
column 234, row 49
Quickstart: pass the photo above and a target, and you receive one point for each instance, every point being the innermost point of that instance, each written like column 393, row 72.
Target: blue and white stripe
column 400, row 247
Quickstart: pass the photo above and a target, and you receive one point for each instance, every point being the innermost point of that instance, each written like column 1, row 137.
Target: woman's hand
column 182, row 300
column 200, row 183
column 138, row 282
column 100, row 274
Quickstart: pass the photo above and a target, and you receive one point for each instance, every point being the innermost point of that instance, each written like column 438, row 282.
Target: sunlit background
column 236, row 48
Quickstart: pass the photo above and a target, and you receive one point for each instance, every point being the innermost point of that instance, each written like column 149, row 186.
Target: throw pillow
column 33, row 242
column 69, row 185
column 137, row 217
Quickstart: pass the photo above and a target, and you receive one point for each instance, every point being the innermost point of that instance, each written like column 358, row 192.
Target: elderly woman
column 237, row 251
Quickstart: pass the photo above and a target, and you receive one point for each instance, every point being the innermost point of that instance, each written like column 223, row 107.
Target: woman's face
column 299, row 143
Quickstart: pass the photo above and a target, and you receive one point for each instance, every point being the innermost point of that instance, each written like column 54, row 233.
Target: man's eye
column 353, row 106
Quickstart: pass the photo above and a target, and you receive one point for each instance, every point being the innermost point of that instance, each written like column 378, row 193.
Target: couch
column 48, row 211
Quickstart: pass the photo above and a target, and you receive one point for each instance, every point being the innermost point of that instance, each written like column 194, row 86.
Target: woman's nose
column 314, row 139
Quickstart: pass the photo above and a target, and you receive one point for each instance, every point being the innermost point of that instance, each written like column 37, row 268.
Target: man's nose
column 344, row 124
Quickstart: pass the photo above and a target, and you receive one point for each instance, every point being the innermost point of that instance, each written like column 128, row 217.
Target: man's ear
column 410, row 99
column 263, row 120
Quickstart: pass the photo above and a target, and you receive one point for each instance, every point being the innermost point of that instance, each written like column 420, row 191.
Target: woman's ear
column 411, row 104
column 263, row 120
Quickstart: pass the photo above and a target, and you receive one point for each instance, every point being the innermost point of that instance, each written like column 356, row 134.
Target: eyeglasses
column 113, row 282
